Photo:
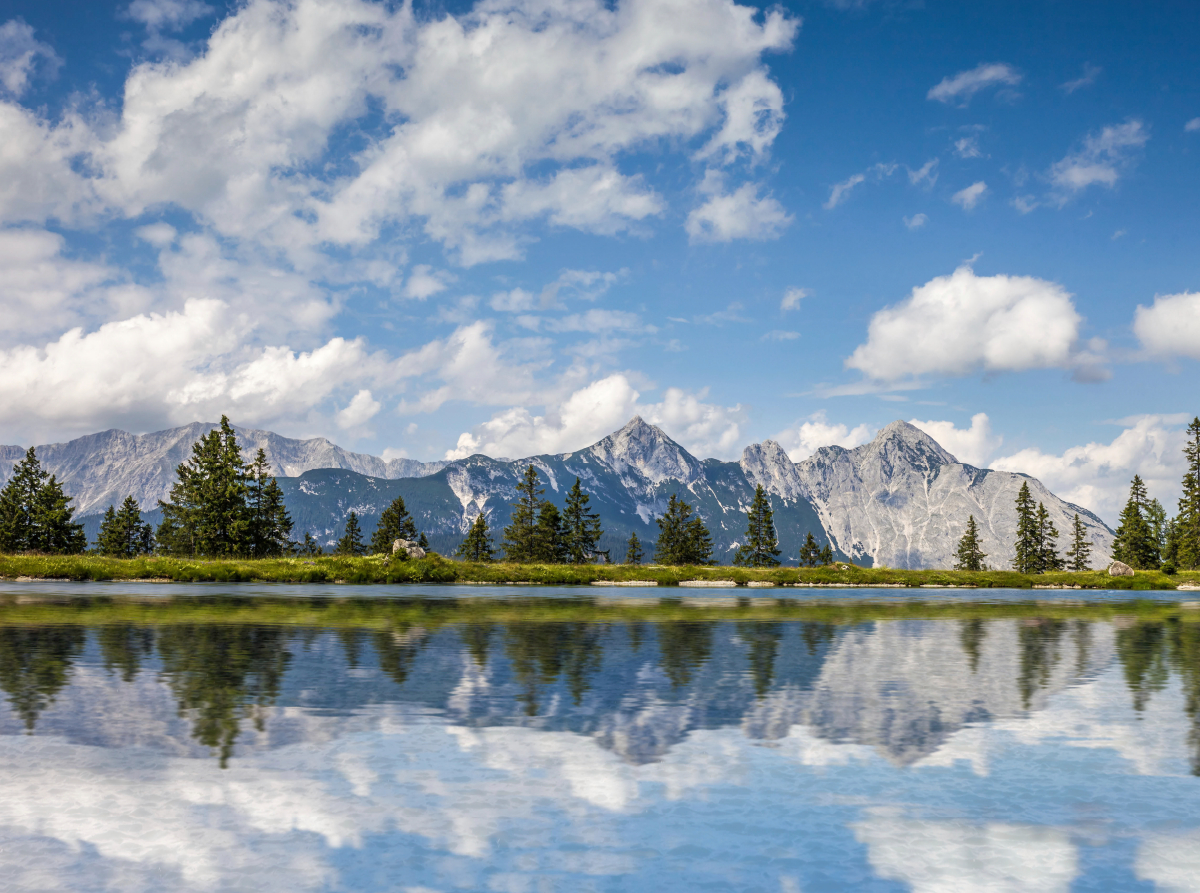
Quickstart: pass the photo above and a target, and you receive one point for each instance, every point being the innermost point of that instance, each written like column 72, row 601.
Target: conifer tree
column 1028, row 545
column 207, row 513
column 1134, row 543
column 122, row 533
column 478, row 544
column 18, row 504
column 633, row 552
column 970, row 555
column 682, row 539
column 310, row 546
column 583, row 527
column 270, row 526
column 422, row 541
column 351, row 542
column 394, row 524
column 552, row 538
column 826, row 555
column 810, row 553
column 1188, row 520
column 1081, row 547
column 1048, row 558
column 520, row 536
column 761, row 548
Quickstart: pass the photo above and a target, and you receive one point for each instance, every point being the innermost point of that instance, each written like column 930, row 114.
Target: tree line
column 1146, row 538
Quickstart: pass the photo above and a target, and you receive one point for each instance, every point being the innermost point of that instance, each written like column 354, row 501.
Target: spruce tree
column 810, row 553
column 761, row 548
column 970, row 555
column 1048, row 558
column 55, row 531
column 1134, row 543
column 520, row 536
column 1028, row 545
column 422, row 541
column 583, row 527
column 682, row 539
column 633, row 552
column 18, row 504
column 270, row 527
column 826, row 555
column 310, row 546
column 394, row 524
column 478, row 544
column 552, row 538
column 1188, row 520
column 122, row 533
column 351, row 542
column 1081, row 548
column 207, row 513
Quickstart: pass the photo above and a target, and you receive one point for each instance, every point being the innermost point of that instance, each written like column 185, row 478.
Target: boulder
column 409, row 548
column 1120, row 569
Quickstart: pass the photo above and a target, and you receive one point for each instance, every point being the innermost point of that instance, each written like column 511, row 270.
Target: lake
column 226, row 738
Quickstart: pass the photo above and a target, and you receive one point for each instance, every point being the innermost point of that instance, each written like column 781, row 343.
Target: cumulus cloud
column 958, row 89
column 916, row 221
column 20, row 52
column 927, row 173
column 792, row 298
column 964, row 323
column 1170, row 327
column 974, row 445
column 841, row 191
column 1097, row 475
column 595, row 411
column 167, row 15
column 1100, row 161
column 424, row 281
column 968, row 198
column 1192, row 125
column 807, row 436
column 741, row 214
column 361, row 409
column 968, row 147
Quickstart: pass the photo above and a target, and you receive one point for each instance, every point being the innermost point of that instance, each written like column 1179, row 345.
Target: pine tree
column 18, row 504
column 1134, row 543
column 208, row 513
column 351, row 542
column 1188, row 520
column 478, row 544
column 520, row 536
column 583, row 527
column 122, row 533
column 1048, row 558
column 1081, row 548
column 552, row 538
column 270, row 527
column 761, row 548
column 810, row 553
column 394, row 524
column 1028, row 545
column 682, row 539
column 970, row 556
column 633, row 552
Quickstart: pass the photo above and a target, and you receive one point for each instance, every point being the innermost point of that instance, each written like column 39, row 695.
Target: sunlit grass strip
column 434, row 569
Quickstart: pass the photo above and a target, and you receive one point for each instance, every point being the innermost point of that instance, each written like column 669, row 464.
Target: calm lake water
column 222, row 738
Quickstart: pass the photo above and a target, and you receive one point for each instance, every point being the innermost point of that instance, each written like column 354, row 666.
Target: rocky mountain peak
column 768, row 464
column 647, row 449
column 903, row 441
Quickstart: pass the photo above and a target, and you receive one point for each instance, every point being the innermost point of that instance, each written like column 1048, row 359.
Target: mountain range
column 900, row 500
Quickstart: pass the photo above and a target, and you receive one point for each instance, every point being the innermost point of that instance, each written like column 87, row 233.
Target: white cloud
column 962, row 86
column 1100, row 161
column 927, row 173
column 1025, row 203
column 1090, row 73
column 361, row 409
column 963, row 323
column 841, row 191
column 969, row 197
column 583, row 285
column 595, row 411
column 37, row 177
column 968, row 147
column 732, row 313
column 804, row 438
column 1192, row 126
column 792, row 298
column 167, row 15
column 19, row 53
column 974, row 445
column 740, row 214
column 160, row 235
column 595, row 321
column 916, row 221
column 780, row 335
column 424, row 281
column 513, row 301
column 1170, row 327
column 1097, row 475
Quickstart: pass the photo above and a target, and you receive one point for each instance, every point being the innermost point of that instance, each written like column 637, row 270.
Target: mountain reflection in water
column 1031, row 753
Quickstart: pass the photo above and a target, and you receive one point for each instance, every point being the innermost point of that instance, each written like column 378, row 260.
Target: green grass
column 435, row 569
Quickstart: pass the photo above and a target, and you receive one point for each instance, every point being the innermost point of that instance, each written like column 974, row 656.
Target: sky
column 507, row 227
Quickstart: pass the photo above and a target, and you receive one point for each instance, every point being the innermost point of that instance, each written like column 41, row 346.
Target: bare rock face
column 1120, row 569
column 409, row 548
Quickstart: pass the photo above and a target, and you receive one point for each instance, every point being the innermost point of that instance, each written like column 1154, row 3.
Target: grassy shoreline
column 435, row 569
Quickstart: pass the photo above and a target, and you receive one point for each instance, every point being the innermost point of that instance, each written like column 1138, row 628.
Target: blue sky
column 507, row 227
